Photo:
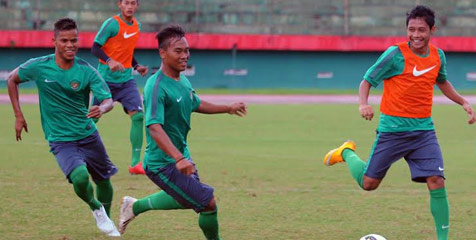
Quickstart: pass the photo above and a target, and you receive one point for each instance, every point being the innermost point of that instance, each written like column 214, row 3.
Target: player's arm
column 238, row 108
column 20, row 123
column 365, row 109
column 97, row 51
column 97, row 111
column 448, row 90
column 109, row 29
column 142, row 70
column 163, row 141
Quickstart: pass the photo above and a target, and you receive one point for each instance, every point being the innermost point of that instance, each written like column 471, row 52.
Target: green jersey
column 170, row 103
column 391, row 63
column 64, row 96
column 118, row 38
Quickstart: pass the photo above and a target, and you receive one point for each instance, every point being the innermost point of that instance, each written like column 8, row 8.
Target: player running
column 114, row 46
column 409, row 71
column 169, row 101
column 64, row 82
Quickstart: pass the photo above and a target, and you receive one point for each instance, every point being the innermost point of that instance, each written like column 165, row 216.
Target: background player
column 114, row 46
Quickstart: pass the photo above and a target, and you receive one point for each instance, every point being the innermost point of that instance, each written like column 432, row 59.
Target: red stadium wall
column 42, row 39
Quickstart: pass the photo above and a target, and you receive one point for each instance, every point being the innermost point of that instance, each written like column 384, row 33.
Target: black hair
column 424, row 12
column 64, row 24
column 170, row 32
column 136, row 1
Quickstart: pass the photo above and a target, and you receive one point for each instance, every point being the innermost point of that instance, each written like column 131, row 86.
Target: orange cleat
column 335, row 155
column 137, row 169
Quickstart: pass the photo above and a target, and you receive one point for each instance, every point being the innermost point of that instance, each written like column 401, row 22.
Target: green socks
column 208, row 222
column 156, row 201
column 440, row 210
column 136, row 136
column 355, row 164
column 83, row 188
column 104, row 193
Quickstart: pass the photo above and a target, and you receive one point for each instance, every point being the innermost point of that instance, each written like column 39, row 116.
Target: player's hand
column 20, row 124
column 366, row 111
column 115, row 65
column 470, row 112
column 238, row 109
column 95, row 112
column 142, row 70
column 186, row 167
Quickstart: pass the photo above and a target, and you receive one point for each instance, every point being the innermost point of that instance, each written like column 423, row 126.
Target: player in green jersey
column 169, row 101
column 64, row 83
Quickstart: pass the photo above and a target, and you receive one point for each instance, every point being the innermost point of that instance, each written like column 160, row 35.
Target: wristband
column 179, row 160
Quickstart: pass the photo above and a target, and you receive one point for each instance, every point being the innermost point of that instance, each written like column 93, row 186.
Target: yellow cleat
column 335, row 155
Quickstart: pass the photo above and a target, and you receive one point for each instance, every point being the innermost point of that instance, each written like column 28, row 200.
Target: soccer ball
column 373, row 237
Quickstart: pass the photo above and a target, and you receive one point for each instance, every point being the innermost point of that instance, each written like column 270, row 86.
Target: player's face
column 419, row 33
column 128, row 7
column 176, row 55
column 66, row 44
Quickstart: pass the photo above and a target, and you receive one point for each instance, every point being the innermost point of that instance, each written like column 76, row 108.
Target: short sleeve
column 195, row 101
column 109, row 29
column 384, row 67
column 27, row 71
column 98, row 86
column 442, row 74
column 154, row 102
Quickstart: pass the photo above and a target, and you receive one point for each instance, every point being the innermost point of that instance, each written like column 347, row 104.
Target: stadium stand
column 303, row 17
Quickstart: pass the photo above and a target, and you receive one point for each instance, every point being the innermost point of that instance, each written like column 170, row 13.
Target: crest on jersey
column 74, row 84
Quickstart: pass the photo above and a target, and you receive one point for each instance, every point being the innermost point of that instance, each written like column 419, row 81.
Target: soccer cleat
column 335, row 155
column 126, row 215
column 104, row 223
column 137, row 169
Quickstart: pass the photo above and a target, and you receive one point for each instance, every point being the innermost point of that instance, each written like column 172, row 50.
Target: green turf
column 267, row 172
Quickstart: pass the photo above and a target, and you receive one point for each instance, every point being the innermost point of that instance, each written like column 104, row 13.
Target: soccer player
column 64, row 82
column 169, row 101
column 114, row 46
column 409, row 71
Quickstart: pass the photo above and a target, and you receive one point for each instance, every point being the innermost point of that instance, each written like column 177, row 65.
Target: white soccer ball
column 373, row 237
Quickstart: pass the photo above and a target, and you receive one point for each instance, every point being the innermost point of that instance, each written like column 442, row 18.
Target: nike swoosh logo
column 445, row 226
column 440, row 168
column 46, row 80
column 179, row 99
column 126, row 36
column 417, row 73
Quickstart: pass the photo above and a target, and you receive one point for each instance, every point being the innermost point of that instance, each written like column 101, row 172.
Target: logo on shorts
column 74, row 84
column 179, row 99
column 440, row 168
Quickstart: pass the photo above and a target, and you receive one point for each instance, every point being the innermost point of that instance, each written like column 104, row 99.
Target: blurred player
column 114, row 46
column 64, row 83
column 169, row 101
column 409, row 71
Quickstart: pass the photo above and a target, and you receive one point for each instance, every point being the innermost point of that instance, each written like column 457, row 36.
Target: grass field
column 267, row 172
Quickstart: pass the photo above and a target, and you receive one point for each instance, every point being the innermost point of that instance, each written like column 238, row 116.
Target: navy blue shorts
column 185, row 189
column 88, row 151
column 420, row 149
column 127, row 94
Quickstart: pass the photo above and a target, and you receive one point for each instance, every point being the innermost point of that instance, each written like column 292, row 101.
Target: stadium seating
column 322, row 17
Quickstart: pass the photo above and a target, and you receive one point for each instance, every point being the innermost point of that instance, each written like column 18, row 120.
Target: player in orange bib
column 114, row 46
column 409, row 71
